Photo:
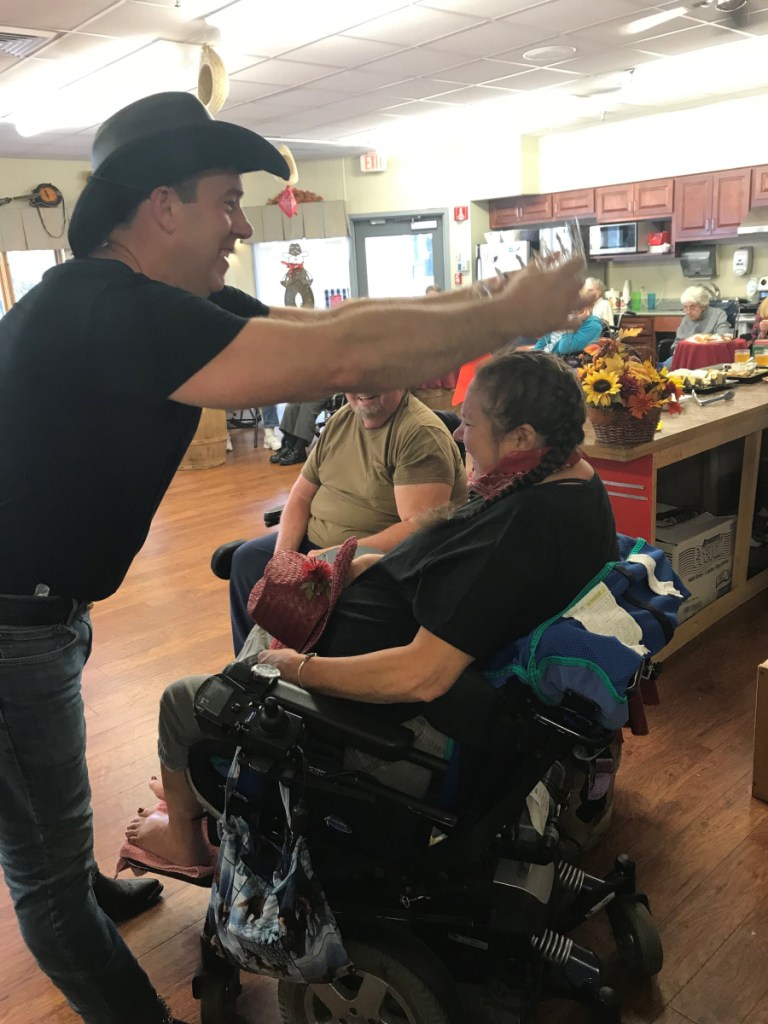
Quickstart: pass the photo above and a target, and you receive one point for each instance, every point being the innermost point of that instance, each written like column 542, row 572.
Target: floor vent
column 21, row 44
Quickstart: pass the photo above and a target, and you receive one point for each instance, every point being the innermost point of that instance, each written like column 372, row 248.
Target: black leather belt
column 35, row 611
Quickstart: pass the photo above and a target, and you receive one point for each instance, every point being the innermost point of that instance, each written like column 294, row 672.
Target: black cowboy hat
column 159, row 140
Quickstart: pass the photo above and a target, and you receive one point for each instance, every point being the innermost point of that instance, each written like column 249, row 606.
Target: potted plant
column 625, row 394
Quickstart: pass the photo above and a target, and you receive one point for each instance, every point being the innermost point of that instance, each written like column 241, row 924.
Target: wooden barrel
column 209, row 445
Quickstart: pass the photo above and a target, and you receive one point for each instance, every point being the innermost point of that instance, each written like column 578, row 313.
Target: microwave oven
column 612, row 239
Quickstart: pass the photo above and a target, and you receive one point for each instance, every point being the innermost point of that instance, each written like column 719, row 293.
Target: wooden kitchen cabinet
column 645, row 342
column 576, row 203
column 516, row 211
column 760, row 186
column 635, row 200
column 711, row 205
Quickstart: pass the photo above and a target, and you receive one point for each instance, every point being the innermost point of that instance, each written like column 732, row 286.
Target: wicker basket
column 618, row 428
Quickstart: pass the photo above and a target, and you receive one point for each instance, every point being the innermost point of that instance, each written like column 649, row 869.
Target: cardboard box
column 701, row 553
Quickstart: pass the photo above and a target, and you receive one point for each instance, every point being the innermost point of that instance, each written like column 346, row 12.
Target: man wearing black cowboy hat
column 127, row 341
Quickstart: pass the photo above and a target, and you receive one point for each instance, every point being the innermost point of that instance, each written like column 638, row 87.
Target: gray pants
column 299, row 419
column 178, row 730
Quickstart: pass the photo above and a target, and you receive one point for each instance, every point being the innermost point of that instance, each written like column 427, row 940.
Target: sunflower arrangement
column 617, row 379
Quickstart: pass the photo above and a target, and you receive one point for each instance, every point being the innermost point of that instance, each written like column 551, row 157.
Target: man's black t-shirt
column 90, row 440
column 480, row 582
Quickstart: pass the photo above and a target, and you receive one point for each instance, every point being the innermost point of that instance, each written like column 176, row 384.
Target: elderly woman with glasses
column 699, row 317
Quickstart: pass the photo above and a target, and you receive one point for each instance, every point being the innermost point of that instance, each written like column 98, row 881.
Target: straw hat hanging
column 212, row 80
column 294, row 175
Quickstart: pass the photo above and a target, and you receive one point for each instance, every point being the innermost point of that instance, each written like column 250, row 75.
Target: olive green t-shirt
column 356, row 470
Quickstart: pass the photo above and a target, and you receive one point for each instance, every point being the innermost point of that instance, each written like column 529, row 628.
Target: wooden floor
column 683, row 805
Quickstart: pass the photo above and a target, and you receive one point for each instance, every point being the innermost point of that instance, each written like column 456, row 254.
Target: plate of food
column 705, row 381
column 747, row 374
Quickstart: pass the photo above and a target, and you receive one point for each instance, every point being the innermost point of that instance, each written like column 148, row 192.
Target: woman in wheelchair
column 537, row 527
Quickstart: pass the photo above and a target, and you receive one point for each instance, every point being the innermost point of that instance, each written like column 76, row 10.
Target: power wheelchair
column 454, row 907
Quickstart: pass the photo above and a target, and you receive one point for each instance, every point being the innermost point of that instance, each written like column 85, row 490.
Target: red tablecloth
column 694, row 354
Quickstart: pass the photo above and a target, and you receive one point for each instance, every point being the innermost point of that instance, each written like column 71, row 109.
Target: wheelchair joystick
column 272, row 718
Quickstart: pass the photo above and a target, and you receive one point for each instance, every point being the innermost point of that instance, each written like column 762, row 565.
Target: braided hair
column 535, row 388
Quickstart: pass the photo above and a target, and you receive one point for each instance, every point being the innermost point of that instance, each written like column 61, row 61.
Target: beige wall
column 665, row 278
column 455, row 174
column 709, row 138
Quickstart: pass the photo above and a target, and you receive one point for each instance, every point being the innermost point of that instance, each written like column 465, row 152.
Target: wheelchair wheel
column 637, row 937
column 383, row 990
column 217, row 994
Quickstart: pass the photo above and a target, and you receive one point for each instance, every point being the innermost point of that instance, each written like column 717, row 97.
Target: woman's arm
column 577, row 341
column 422, row 671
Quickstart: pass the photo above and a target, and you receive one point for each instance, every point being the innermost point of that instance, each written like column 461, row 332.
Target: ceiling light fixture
column 653, row 20
column 549, row 54
column 729, row 6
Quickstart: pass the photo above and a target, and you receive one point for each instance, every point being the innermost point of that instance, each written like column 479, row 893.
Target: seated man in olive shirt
column 380, row 463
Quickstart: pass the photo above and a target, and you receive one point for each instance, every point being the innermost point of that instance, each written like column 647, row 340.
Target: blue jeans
column 248, row 565
column 269, row 416
column 46, row 833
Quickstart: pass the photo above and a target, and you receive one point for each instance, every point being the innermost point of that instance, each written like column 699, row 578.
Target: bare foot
column 157, row 787
column 182, row 844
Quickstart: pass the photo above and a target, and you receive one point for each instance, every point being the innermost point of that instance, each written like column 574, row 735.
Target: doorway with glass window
column 398, row 255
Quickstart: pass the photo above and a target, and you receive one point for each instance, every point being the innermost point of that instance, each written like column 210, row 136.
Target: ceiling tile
column 414, row 62
column 343, row 51
column 416, row 89
column 491, row 38
column 476, row 72
column 541, row 78
column 688, row 39
column 281, row 72
column 413, row 26
column 757, row 24
column 140, row 19
column 471, row 94
column 615, row 59
column 66, row 14
column 360, row 80
column 247, row 92
column 490, row 8
column 566, row 16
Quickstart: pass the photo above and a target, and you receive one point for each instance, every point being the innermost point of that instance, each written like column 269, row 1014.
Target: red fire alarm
column 458, row 278
column 460, row 213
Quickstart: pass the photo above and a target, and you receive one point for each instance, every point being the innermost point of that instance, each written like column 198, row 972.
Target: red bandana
column 511, row 468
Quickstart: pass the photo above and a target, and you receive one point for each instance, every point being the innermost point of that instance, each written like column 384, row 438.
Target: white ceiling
column 331, row 71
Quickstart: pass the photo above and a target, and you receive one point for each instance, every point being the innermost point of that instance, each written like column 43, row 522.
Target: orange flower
column 639, row 403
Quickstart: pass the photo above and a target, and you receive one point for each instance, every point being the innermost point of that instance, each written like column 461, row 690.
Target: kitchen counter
column 630, row 477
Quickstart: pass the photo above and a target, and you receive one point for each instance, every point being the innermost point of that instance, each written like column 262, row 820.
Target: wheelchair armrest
column 272, row 515
column 346, row 722
column 221, row 559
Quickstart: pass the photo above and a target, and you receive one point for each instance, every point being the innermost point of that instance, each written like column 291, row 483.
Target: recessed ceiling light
column 549, row 54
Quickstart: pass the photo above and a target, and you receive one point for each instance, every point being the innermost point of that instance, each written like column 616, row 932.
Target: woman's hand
column 762, row 330
column 286, row 660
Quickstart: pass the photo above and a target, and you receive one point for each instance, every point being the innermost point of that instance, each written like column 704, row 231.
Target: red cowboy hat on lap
column 297, row 593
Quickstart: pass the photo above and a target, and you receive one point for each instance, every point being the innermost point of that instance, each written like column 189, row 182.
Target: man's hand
column 540, row 301
column 318, row 552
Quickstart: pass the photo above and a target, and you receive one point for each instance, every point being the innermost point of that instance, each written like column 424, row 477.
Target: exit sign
column 372, row 162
